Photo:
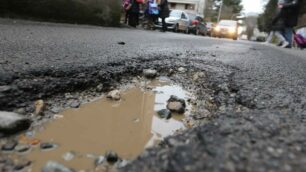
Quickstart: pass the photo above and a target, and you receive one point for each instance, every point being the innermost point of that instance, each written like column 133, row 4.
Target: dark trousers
column 288, row 34
column 126, row 17
column 164, row 24
column 133, row 19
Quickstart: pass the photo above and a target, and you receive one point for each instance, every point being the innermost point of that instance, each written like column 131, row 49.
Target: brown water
column 126, row 127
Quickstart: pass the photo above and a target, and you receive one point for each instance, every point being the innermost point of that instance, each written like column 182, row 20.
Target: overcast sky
column 253, row 6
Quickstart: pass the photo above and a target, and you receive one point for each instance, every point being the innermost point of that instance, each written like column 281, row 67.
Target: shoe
column 279, row 44
column 285, row 44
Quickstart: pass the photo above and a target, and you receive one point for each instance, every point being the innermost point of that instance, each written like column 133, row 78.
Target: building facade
column 196, row 6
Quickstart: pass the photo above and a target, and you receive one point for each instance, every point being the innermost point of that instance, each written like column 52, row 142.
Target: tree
column 99, row 12
column 265, row 19
column 229, row 8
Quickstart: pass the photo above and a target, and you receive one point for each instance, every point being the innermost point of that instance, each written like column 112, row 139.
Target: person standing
column 164, row 13
column 133, row 12
column 126, row 6
column 278, row 26
column 290, row 9
column 152, row 12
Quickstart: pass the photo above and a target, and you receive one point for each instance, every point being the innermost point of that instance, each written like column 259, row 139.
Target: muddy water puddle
column 126, row 127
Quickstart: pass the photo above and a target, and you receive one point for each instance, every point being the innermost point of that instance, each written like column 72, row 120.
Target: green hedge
column 98, row 12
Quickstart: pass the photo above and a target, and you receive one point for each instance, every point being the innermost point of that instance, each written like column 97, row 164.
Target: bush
column 98, row 12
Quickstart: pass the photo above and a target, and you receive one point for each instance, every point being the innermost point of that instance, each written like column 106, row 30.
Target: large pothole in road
column 80, row 137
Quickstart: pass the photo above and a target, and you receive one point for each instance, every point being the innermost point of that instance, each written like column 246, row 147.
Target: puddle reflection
column 126, row 127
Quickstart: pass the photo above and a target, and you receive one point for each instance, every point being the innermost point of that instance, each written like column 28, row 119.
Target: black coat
column 278, row 22
column 135, row 7
column 291, row 10
column 164, row 9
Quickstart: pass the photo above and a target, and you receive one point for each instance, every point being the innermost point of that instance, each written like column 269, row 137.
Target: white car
column 177, row 21
column 226, row 29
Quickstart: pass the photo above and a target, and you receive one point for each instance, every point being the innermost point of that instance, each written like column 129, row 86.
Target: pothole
column 77, row 138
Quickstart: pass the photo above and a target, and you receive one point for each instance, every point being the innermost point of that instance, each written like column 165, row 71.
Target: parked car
column 210, row 27
column 197, row 24
column 226, row 29
column 177, row 21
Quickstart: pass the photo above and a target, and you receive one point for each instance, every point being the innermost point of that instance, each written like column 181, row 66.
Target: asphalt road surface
column 267, row 135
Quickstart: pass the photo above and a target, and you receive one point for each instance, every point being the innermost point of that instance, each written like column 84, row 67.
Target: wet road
column 268, row 81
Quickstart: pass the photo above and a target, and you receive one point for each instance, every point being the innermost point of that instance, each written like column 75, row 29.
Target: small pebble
column 53, row 166
column 22, row 165
column 22, row 148
column 10, row 146
column 47, row 146
column 68, row 156
column 111, row 157
column 99, row 160
column 75, row 104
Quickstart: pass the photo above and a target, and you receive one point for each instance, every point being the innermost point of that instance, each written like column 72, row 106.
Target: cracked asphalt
column 260, row 90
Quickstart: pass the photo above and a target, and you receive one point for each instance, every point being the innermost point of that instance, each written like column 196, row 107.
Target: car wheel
column 176, row 28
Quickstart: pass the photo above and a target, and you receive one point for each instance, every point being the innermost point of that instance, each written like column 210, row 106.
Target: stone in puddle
column 150, row 73
column 69, row 156
column 39, row 107
column 176, row 105
column 9, row 146
column 121, row 164
column 22, row 165
column 5, row 88
column 22, row 148
column 111, row 157
column 75, row 104
column 55, row 109
column 114, row 95
column 164, row 113
column 11, row 123
column 47, row 146
column 99, row 160
column 53, row 166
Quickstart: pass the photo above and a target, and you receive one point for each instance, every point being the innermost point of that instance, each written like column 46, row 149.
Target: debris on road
column 53, row 166
column 182, row 70
column 39, row 107
column 114, row 95
column 121, row 43
column 11, row 123
column 111, row 157
column 9, row 146
column 176, row 105
column 164, row 113
column 150, row 73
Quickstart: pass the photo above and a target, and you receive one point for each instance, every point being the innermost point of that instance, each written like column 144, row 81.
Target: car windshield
column 176, row 14
column 228, row 23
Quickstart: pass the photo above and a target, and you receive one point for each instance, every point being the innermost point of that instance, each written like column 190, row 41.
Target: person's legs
column 126, row 17
column 151, row 22
column 164, row 24
column 282, row 39
column 137, row 19
column 288, row 33
column 132, row 19
column 270, row 37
